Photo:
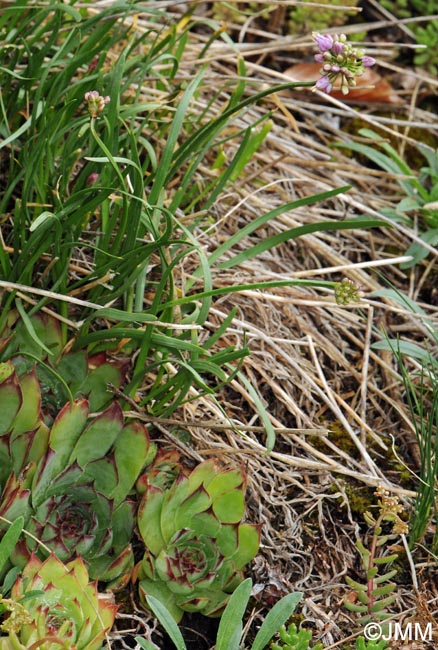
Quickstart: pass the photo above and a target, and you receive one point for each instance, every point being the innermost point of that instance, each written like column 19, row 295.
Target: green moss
column 300, row 19
column 338, row 436
column 399, row 8
column 425, row 33
column 427, row 58
column 303, row 19
column 360, row 498
column 387, row 461
column 238, row 13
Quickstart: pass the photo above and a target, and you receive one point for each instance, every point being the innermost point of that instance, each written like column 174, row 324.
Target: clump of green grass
column 108, row 207
column 421, row 391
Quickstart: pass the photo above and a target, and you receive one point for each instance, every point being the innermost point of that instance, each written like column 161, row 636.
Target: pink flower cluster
column 96, row 103
column 340, row 60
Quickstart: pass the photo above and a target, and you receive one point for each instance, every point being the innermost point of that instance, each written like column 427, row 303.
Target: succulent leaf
column 10, row 397
column 43, row 477
column 353, row 607
column 101, row 372
column 164, row 468
column 41, row 337
column 225, row 482
column 229, row 507
column 27, row 447
column 227, row 540
column 173, row 498
column 103, row 473
column 73, row 368
column 206, row 523
column 6, row 370
column 248, row 545
column 123, row 521
column 202, row 474
column 384, row 590
column 67, row 428
column 29, row 415
column 159, row 590
column 194, row 504
column 149, row 520
column 130, row 453
column 99, row 436
column 383, row 604
column 14, row 500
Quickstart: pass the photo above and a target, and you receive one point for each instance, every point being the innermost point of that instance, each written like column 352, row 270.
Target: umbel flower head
column 340, row 61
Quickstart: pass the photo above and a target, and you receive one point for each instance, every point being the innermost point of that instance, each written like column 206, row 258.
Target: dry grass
column 336, row 404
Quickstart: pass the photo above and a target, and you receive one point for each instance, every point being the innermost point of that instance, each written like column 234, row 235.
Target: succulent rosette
column 85, row 375
column 54, row 606
column 72, row 482
column 196, row 547
column 83, row 522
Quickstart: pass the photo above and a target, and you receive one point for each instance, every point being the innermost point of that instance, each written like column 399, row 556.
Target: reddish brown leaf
column 371, row 87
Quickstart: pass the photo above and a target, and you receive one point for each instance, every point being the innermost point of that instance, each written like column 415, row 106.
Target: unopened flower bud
column 347, row 291
column 92, row 179
column 337, row 48
column 96, row 103
column 368, row 61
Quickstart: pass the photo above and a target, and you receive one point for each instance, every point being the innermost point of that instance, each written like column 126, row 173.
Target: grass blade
column 230, row 627
column 167, row 621
column 249, row 228
column 299, row 231
column 275, row 618
column 9, row 541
